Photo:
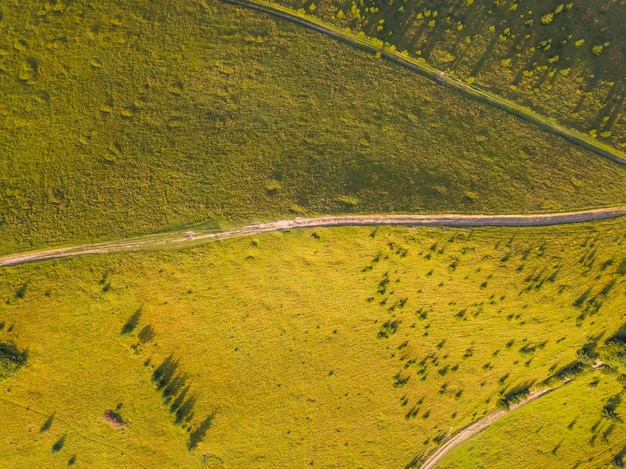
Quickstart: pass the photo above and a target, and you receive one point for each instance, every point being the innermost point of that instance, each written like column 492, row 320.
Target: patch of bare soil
column 114, row 419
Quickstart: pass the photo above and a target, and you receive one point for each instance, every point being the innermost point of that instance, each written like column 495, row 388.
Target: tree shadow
column 11, row 359
column 58, row 445
column 47, row 424
column 165, row 372
column 197, row 435
column 619, row 335
column 132, row 322
column 21, row 292
column 618, row 459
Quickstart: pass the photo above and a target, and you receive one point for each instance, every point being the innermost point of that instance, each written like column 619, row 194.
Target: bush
column 19, row 294
column 11, row 359
column 146, row 334
column 547, row 19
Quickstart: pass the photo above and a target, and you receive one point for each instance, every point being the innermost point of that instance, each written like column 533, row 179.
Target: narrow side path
column 363, row 42
column 190, row 238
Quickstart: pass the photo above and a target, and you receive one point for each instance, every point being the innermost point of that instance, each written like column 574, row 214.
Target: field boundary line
column 190, row 238
column 389, row 52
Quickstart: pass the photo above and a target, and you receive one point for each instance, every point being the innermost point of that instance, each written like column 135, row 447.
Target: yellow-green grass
column 563, row 429
column 129, row 118
column 563, row 59
column 347, row 347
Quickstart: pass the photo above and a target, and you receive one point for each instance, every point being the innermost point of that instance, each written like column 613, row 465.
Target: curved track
column 189, row 238
column 474, row 428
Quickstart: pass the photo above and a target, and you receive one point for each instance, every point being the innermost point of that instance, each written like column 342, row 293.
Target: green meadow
column 130, row 118
column 336, row 347
column 345, row 347
column 562, row 59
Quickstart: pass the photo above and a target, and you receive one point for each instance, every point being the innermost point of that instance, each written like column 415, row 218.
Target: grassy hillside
column 566, row 429
column 331, row 347
column 130, row 118
column 563, row 59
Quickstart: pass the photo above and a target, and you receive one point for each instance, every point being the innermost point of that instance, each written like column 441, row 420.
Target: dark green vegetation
column 563, row 59
column 418, row 65
column 11, row 359
column 343, row 347
column 131, row 118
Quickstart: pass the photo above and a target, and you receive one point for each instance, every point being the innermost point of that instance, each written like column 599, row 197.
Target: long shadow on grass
column 132, row 322
column 175, row 388
column 199, row 433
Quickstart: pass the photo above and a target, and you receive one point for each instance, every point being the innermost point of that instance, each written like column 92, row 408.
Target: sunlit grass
column 564, row 429
column 345, row 347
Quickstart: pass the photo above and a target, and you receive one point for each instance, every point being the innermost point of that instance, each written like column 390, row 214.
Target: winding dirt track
column 474, row 428
column 184, row 239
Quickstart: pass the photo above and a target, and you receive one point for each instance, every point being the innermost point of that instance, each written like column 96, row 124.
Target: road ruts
column 186, row 238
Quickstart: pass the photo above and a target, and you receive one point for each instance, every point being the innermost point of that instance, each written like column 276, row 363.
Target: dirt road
column 184, row 239
column 475, row 428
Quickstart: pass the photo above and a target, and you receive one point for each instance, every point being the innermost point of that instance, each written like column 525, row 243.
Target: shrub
column 502, row 404
column 47, row 424
column 388, row 329
column 146, row 334
column 11, row 359
column 19, row 294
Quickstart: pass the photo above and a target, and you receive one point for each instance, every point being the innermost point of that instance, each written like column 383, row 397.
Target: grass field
column 343, row 347
column 129, row 118
column 350, row 347
column 563, row 59
column 566, row 429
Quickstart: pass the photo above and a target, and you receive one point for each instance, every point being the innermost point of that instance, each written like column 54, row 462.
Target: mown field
column 347, row 347
column 565, row 429
column 130, row 118
column 563, row 59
